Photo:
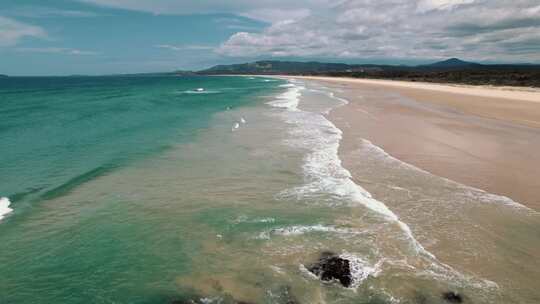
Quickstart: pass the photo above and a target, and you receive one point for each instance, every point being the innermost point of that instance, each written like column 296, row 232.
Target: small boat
column 199, row 90
column 242, row 120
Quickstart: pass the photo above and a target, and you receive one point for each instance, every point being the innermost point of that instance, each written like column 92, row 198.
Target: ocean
column 171, row 189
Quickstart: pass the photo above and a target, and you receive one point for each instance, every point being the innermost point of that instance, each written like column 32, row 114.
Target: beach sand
column 483, row 137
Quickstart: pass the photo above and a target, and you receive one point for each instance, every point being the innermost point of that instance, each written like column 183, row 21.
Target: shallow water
column 236, row 207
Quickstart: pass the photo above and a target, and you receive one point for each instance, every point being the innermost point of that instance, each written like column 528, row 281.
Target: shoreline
column 490, row 101
column 517, row 93
column 531, row 94
column 449, row 134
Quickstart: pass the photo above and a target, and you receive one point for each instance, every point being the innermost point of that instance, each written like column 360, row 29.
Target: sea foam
column 199, row 91
column 4, row 207
column 289, row 99
column 323, row 171
column 360, row 268
column 478, row 194
column 300, row 230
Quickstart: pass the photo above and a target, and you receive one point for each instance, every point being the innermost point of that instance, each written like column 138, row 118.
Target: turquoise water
column 60, row 132
column 221, row 190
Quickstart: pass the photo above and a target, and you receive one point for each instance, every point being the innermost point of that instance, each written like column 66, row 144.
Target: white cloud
column 428, row 5
column 480, row 29
column 472, row 29
column 12, row 31
column 272, row 15
column 57, row 50
column 265, row 10
column 191, row 47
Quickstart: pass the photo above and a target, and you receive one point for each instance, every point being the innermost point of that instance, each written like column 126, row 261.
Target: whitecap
column 212, row 300
column 360, row 268
column 4, row 207
column 289, row 99
column 199, row 91
column 301, row 229
column 245, row 219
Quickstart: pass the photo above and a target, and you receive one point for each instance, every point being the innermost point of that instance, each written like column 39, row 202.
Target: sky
column 65, row 37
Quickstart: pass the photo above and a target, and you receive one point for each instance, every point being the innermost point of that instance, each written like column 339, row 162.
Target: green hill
column 448, row 71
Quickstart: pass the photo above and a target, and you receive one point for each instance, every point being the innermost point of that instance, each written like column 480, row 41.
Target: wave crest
column 4, row 207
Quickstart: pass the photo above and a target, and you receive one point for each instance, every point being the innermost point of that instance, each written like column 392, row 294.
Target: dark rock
column 331, row 267
column 452, row 297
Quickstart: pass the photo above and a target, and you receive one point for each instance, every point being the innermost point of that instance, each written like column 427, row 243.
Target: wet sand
column 477, row 136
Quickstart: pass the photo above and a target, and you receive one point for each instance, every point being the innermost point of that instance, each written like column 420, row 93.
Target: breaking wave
column 4, row 207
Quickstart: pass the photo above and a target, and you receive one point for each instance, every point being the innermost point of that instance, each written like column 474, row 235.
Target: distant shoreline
column 530, row 94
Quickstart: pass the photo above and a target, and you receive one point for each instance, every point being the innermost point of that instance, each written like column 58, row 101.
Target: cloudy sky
column 125, row 36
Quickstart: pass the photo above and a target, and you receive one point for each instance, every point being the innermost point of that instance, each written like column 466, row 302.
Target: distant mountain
column 452, row 63
column 183, row 73
column 314, row 67
column 3, row 76
column 448, row 71
column 280, row 67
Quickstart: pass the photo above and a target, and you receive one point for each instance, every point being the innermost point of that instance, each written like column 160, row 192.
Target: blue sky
column 62, row 37
column 81, row 38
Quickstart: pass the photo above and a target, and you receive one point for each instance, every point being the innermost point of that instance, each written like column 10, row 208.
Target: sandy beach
column 483, row 137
